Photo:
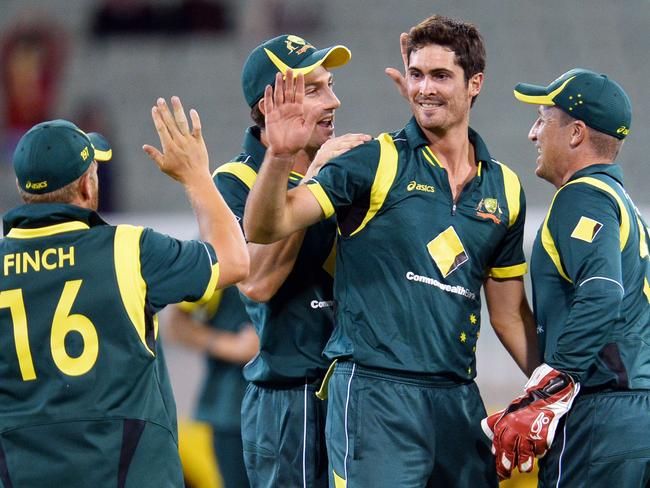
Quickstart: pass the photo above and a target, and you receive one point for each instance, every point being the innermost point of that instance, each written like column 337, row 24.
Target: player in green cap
column 289, row 294
column 85, row 398
column 586, row 407
column 426, row 218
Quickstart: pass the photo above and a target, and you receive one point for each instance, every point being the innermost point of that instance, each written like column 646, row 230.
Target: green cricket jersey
column 85, row 398
column 590, row 274
column 219, row 402
column 296, row 323
column 410, row 261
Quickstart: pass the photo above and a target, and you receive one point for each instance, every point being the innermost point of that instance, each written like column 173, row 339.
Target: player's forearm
column 229, row 346
column 519, row 337
column 270, row 266
column 265, row 217
column 218, row 226
column 183, row 329
column 513, row 321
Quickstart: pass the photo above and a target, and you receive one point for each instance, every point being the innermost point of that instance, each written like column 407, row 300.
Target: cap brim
column 102, row 148
column 534, row 94
column 330, row 58
column 540, row 95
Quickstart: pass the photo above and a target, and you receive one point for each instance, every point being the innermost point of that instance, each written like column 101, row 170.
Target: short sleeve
column 346, row 179
column 509, row 260
column 176, row 270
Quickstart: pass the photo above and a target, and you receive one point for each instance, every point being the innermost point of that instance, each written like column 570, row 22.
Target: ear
column 578, row 133
column 261, row 106
column 85, row 187
column 475, row 83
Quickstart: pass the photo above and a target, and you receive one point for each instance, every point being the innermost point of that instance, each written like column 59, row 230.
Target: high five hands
column 288, row 125
column 184, row 156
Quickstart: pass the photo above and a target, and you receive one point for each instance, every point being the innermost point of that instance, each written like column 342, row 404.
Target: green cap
column 592, row 97
column 281, row 53
column 55, row 153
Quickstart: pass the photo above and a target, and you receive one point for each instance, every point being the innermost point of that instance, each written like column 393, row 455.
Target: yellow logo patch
column 623, row 130
column 586, row 229
column 447, row 251
column 85, row 153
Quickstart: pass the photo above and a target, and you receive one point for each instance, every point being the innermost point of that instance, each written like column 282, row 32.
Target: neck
column 581, row 164
column 452, row 148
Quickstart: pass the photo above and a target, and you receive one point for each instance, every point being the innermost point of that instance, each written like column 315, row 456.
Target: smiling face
column 320, row 97
column 438, row 93
column 552, row 137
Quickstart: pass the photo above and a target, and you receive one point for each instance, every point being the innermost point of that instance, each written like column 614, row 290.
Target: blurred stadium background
column 103, row 63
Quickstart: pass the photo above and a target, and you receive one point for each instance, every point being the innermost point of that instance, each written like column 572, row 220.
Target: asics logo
column 414, row 185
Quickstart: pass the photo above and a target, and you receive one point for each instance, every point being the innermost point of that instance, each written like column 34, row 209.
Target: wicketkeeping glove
column 526, row 428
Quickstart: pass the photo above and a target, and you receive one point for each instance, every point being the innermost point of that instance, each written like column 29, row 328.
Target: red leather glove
column 526, row 428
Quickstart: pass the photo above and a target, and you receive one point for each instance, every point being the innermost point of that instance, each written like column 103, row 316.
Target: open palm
column 288, row 127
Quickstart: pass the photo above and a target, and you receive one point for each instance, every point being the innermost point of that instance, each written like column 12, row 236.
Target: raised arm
column 272, row 213
column 513, row 321
column 184, row 158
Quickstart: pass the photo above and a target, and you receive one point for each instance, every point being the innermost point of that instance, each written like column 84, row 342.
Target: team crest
column 488, row 208
column 297, row 45
column 447, row 251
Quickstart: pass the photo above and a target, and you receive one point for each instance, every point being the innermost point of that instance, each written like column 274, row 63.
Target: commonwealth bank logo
column 447, row 251
column 586, row 229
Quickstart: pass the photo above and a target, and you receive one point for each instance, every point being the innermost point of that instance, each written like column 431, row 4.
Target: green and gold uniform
column 591, row 295
column 220, row 397
column 410, row 265
column 85, row 398
column 282, row 420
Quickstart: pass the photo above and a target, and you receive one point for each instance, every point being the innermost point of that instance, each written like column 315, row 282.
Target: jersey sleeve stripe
column 386, row 172
column 241, row 171
column 133, row 288
column 508, row 271
column 322, row 198
column 209, row 291
column 513, row 193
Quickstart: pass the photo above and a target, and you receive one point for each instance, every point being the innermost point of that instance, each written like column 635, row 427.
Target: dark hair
column 461, row 37
column 257, row 116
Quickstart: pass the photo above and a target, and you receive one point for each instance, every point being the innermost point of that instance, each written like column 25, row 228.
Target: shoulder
column 586, row 192
column 241, row 171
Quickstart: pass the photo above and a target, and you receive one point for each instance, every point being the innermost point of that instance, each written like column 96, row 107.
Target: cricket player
column 426, row 218
column 85, row 398
column 289, row 294
column 222, row 332
column 586, row 407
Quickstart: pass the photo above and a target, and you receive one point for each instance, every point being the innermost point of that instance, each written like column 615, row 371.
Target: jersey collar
column 253, row 146
column 416, row 139
column 612, row 170
column 37, row 220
